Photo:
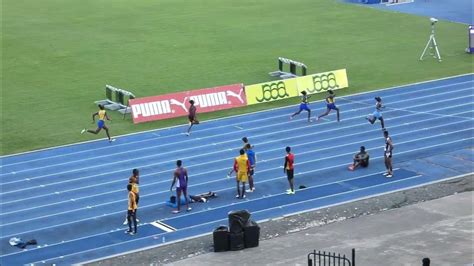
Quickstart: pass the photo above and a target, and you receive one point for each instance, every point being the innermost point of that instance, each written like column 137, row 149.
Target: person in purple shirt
column 180, row 177
column 252, row 160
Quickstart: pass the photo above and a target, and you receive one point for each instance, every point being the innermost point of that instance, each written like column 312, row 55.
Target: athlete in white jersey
column 388, row 154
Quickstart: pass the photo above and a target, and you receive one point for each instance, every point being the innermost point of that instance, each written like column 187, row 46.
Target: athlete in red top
column 289, row 170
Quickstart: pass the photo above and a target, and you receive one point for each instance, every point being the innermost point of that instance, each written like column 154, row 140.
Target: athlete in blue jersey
column 180, row 177
column 303, row 106
column 330, row 105
column 377, row 114
column 253, row 161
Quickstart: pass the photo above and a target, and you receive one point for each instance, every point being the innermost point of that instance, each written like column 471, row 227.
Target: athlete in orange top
column 242, row 168
column 131, row 212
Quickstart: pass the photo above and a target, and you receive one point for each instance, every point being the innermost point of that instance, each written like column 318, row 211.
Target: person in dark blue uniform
column 303, row 106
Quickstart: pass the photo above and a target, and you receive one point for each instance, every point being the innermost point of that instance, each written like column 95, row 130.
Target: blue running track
column 73, row 199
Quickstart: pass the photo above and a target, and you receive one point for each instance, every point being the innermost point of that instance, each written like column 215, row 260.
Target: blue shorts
column 304, row 106
column 331, row 106
column 100, row 123
column 377, row 114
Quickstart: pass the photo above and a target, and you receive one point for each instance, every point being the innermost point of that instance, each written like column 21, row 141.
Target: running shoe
column 390, row 175
column 187, row 134
column 189, row 209
column 83, row 131
column 385, row 174
column 175, row 211
column 111, row 140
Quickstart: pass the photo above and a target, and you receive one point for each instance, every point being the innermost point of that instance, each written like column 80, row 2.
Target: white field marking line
column 222, row 169
column 174, row 217
column 163, row 226
column 215, row 221
column 154, row 155
column 267, row 219
column 220, row 160
column 217, row 170
column 338, row 194
column 153, row 205
column 212, row 128
column 402, row 87
column 413, row 112
column 325, row 168
column 211, row 136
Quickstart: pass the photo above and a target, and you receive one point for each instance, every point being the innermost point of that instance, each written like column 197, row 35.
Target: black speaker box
column 237, row 220
column 251, row 234
column 236, row 241
column 221, row 239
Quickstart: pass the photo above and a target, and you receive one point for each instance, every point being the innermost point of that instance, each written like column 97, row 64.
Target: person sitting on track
column 361, row 158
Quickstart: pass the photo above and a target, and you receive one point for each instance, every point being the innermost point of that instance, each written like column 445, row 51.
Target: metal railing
column 323, row 258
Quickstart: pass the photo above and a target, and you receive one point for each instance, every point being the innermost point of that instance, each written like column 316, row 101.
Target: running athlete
column 252, row 160
column 242, row 168
column 377, row 113
column 303, row 106
column 192, row 117
column 180, row 177
column 288, row 168
column 330, row 105
column 388, row 154
column 101, row 123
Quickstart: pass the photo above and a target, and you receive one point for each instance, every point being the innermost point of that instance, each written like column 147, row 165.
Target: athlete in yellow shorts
column 242, row 168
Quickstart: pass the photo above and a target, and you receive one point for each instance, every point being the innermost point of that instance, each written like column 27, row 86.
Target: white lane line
column 207, row 162
column 265, row 220
column 202, row 146
column 212, row 128
column 296, row 203
column 163, row 226
column 215, row 161
column 263, row 181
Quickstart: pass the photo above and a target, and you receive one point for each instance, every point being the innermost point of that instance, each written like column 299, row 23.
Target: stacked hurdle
column 116, row 99
column 293, row 64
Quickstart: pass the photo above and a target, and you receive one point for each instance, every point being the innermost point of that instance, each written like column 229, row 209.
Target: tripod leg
column 426, row 47
column 436, row 48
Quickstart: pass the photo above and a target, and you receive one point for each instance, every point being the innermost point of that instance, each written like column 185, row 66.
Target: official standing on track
column 388, row 154
column 253, row 161
column 131, row 212
column 288, row 168
column 242, row 168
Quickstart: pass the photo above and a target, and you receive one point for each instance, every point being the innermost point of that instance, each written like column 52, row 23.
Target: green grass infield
column 57, row 56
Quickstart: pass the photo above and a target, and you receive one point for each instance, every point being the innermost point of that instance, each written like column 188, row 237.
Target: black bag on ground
column 237, row 220
column 251, row 234
column 236, row 241
column 221, row 238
